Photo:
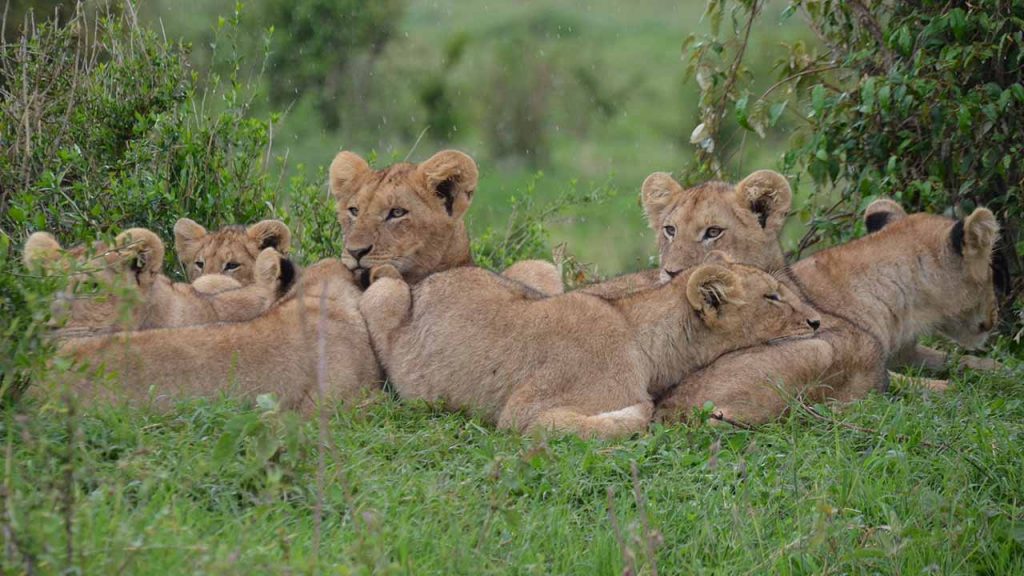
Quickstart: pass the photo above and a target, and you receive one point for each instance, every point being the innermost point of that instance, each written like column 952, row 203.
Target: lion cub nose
column 813, row 323
column 358, row 253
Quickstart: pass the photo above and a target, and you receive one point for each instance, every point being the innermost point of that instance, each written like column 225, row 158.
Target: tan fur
column 123, row 288
column 876, row 295
column 230, row 251
column 688, row 220
column 748, row 215
column 574, row 362
column 214, row 283
column 885, row 211
column 540, row 275
column 407, row 215
column 276, row 353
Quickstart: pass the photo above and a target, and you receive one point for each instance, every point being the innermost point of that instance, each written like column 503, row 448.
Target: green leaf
column 741, row 112
column 818, row 99
column 775, row 112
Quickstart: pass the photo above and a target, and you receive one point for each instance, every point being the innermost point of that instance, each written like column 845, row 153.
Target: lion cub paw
column 979, row 364
column 385, row 271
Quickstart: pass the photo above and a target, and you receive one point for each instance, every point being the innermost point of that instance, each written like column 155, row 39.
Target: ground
column 904, row 482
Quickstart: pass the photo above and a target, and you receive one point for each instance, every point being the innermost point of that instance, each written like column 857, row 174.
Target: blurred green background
column 546, row 95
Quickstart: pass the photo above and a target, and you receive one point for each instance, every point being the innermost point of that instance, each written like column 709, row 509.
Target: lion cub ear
column 186, row 234
column 452, row 176
column 346, row 174
column 41, row 251
column 274, row 270
column 974, row 238
column 142, row 251
column 767, row 194
column 709, row 287
column 656, row 194
column 882, row 212
column 271, row 234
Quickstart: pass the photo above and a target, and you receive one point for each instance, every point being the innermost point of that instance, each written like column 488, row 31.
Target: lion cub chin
column 122, row 287
column 574, row 362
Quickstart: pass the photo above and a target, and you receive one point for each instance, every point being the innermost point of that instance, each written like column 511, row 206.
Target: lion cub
column 574, row 362
column 230, row 251
column 276, row 353
column 742, row 221
column 122, row 287
column 877, row 295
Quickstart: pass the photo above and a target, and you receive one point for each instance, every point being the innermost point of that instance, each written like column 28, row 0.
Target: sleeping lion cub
column 877, row 294
column 574, row 362
column 122, row 287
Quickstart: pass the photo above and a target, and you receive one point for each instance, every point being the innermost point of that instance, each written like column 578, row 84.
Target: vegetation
column 108, row 121
column 909, row 482
column 920, row 102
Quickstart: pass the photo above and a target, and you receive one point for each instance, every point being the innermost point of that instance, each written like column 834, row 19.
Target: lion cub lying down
column 574, row 362
column 230, row 251
column 406, row 215
column 877, row 294
column 122, row 287
column 276, row 353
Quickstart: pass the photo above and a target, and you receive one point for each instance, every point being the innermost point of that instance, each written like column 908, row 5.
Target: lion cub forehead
column 228, row 241
column 387, row 187
column 705, row 205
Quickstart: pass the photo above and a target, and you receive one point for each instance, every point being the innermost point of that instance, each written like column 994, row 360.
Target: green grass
column 216, row 487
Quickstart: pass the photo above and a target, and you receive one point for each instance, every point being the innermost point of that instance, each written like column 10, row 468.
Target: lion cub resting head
column 575, row 362
column 230, row 251
column 122, row 287
column 408, row 216
column 920, row 274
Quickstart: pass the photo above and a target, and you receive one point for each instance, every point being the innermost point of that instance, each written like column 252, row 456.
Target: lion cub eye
column 397, row 213
column 713, row 232
column 353, row 211
column 670, row 231
column 773, row 297
column 199, row 264
column 231, row 266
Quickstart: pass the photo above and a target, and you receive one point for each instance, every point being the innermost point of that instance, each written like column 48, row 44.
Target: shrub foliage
column 920, row 101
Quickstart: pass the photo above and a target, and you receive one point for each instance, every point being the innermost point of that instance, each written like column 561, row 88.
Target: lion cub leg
column 605, row 425
column 921, row 356
column 540, row 275
column 384, row 306
column 927, row 383
column 755, row 385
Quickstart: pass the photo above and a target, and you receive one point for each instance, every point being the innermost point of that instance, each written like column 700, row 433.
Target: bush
column 115, row 130
column 107, row 131
column 917, row 101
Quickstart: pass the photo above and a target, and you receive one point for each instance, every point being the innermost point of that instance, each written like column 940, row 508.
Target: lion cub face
column 744, row 304
column 230, row 251
column 104, row 281
column 408, row 216
column 743, row 221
